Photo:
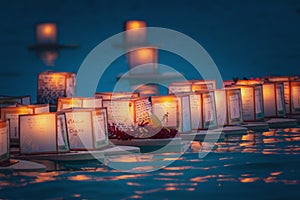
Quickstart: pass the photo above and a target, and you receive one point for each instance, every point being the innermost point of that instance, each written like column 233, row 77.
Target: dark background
column 244, row 38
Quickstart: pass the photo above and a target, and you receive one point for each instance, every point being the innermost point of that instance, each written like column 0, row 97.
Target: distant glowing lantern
column 286, row 80
column 135, row 32
column 12, row 114
column 229, row 106
column 125, row 113
column 252, row 102
column 116, row 95
column 143, row 59
column 87, row 128
column 273, row 97
column 52, row 85
column 4, row 142
column 203, row 110
column 78, row 102
column 13, row 100
column 146, row 90
column 46, row 33
column 43, row 133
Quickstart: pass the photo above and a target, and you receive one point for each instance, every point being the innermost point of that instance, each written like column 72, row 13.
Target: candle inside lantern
column 144, row 60
column 46, row 33
column 135, row 32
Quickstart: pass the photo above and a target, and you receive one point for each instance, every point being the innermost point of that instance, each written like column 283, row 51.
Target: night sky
column 244, row 38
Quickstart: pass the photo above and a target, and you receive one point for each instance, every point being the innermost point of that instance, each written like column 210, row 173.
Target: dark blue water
column 253, row 166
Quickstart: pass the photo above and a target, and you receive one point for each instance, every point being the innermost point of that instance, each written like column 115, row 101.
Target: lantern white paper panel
column 38, row 133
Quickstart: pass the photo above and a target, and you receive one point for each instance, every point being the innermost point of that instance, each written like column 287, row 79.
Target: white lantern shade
column 43, row 133
column 252, row 102
column 52, row 85
column 13, row 100
column 165, row 108
column 295, row 97
column 229, row 106
column 125, row 113
column 4, row 141
column 87, row 128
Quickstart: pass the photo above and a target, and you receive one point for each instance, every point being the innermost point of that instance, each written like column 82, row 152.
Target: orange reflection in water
column 79, row 178
column 248, row 179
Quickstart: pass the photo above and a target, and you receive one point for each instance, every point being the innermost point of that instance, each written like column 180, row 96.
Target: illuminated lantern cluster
column 191, row 86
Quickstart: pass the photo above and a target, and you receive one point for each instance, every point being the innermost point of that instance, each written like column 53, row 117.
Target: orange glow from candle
column 135, row 24
column 46, row 33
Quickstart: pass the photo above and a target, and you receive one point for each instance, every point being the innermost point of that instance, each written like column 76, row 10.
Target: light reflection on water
column 261, row 164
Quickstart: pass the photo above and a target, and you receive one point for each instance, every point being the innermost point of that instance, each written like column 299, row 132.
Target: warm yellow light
column 46, row 33
column 48, row 29
column 144, row 54
column 135, row 24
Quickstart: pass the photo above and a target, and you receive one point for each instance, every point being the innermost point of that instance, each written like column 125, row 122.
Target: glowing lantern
column 87, row 128
column 229, row 106
column 135, row 32
column 203, row 110
column 13, row 100
column 286, row 80
column 165, row 108
column 184, row 113
column 125, row 113
column 12, row 114
column 52, row 85
column 4, row 142
column 295, row 97
column 252, row 102
column 273, row 97
column 116, row 95
column 46, row 33
column 43, row 133
column 78, row 102
column 143, row 59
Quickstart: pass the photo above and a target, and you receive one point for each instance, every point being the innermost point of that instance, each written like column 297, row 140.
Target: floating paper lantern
column 166, row 109
column 87, row 128
column 13, row 100
column 229, row 106
column 4, row 142
column 252, row 102
column 273, row 97
column 135, row 32
column 125, row 113
column 203, row 110
column 78, row 102
column 52, row 85
column 286, row 80
column 12, row 114
column 46, row 33
column 43, row 133
column 143, row 59
column 116, row 95
column 295, row 97
column 191, row 86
